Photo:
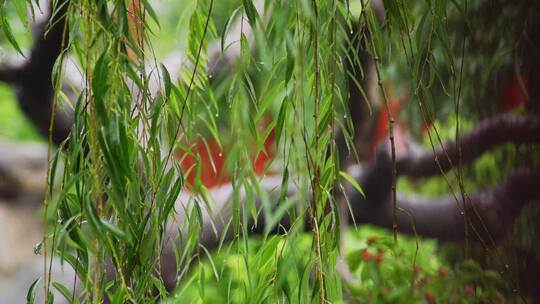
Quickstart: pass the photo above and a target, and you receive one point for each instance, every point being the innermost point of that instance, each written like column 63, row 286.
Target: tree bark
column 486, row 135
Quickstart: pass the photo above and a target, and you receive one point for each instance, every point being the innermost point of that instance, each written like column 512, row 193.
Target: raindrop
column 37, row 248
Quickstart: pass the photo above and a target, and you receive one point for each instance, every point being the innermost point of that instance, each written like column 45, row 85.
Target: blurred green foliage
column 13, row 123
column 381, row 271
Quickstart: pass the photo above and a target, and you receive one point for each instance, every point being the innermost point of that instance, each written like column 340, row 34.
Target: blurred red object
column 382, row 125
column 512, row 94
column 206, row 159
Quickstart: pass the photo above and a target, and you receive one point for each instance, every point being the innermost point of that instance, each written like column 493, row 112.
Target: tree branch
column 8, row 74
column 486, row 135
column 363, row 94
column 441, row 217
column 33, row 79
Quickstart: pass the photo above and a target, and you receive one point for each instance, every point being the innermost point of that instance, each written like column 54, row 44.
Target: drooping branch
column 362, row 85
column 486, row 135
column 33, row 79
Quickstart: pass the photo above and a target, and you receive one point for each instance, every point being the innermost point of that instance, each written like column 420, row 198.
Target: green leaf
column 166, row 80
column 7, row 30
column 244, row 44
column 148, row 8
column 31, row 295
column 226, row 29
column 281, row 121
column 65, row 292
column 92, row 216
column 251, row 12
column 114, row 230
column 20, row 7
column 100, row 77
column 353, row 182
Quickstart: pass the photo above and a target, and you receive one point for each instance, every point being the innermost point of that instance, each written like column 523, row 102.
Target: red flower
column 468, row 290
column 429, row 297
column 366, row 255
column 416, row 270
column 379, row 256
column 442, row 272
column 512, row 95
